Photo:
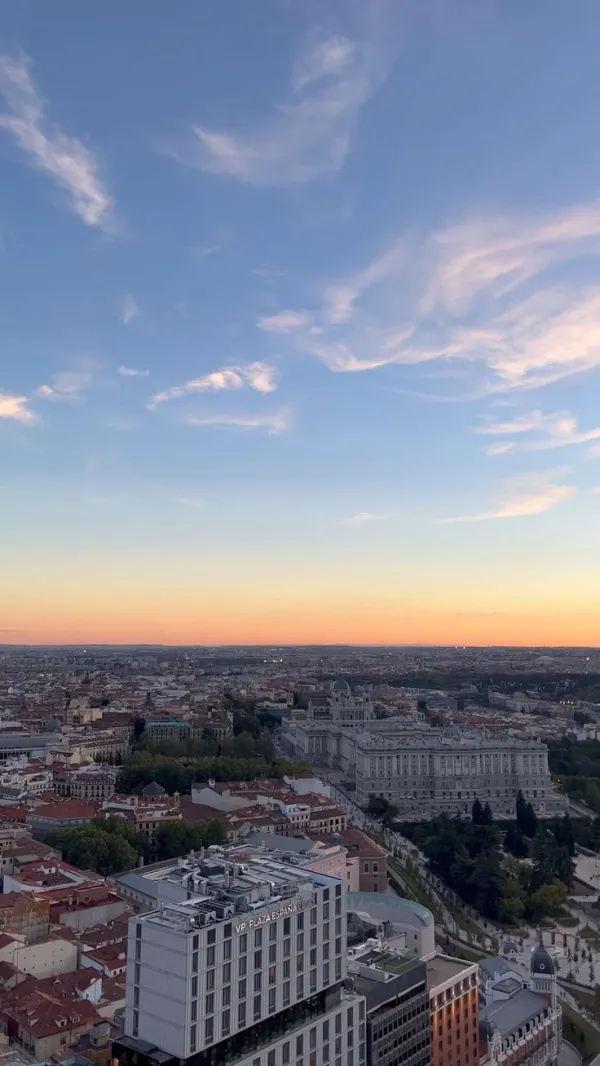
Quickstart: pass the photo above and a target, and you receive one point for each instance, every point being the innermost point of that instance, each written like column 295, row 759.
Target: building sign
column 281, row 911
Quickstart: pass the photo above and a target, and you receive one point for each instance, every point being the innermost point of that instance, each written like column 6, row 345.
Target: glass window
column 300, row 942
column 138, row 949
column 210, row 956
column 225, row 1022
column 257, row 1008
column 272, row 999
column 227, row 931
column 195, row 986
column 227, row 996
column 241, row 1014
column 326, row 931
column 227, row 973
column 195, row 962
column 313, row 980
column 338, row 1023
column 242, row 988
column 338, row 906
column 137, row 973
column 243, row 944
column 325, row 894
column 273, row 953
column 286, row 993
column 194, row 1010
column 136, row 1023
column 325, row 951
column 272, row 975
column 271, row 1058
column 326, row 1030
column 285, row 1053
column 209, row 1030
column 227, row 949
column 257, row 982
column 326, row 973
column 287, row 926
column 313, row 937
column 258, row 938
column 299, row 987
column 257, row 960
column 313, row 916
column 300, row 920
column 211, row 937
column 299, row 963
column 195, row 942
column 193, row 1032
column 313, row 957
column 299, row 1045
column 210, row 1003
column 210, row 980
column 312, row 1039
column 273, row 931
column 243, row 965
column 287, row 948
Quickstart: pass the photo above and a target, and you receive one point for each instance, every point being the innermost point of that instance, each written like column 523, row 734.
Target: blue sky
column 300, row 304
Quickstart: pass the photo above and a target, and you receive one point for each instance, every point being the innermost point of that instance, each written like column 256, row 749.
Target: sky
column 300, row 322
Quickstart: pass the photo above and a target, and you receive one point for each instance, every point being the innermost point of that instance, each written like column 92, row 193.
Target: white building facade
column 249, row 969
column 425, row 770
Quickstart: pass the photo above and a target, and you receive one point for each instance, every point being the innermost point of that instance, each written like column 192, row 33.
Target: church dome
column 542, row 962
column 341, row 687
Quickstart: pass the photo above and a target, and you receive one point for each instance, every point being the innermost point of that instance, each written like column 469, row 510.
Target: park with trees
column 507, row 871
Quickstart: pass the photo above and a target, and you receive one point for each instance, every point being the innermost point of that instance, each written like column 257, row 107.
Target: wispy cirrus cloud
column 68, row 386
column 513, row 300
column 542, row 431
column 258, row 376
column 275, row 422
column 308, row 135
column 63, row 158
column 131, row 372
column 283, row 321
column 16, row 408
column 363, row 518
column 524, row 497
column 129, row 310
column 190, row 501
column 501, row 448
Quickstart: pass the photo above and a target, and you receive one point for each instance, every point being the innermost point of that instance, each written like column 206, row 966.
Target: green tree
column 487, row 817
column 91, row 848
column 515, row 842
column 477, row 813
column 179, row 838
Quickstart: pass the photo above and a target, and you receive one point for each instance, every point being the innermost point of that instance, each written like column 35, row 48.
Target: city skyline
column 301, row 324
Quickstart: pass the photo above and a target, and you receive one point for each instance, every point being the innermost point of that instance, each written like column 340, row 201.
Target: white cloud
column 283, row 321
column 310, row 134
column 64, row 158
column 533, row 494
column 131, row 372
column 129, row 311
column 258, row 376
column 556, row 430
column 16, row 408
column 515, row 301
column 203, row 250
column 499, row 449
column 67, row 386
column 190, row 501
column 364, row 517
column 328, row 59
column 340, row 299
column 275, row 423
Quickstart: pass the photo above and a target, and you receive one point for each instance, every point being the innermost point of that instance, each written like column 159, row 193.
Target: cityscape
column 299, row 513
column 238, row 855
